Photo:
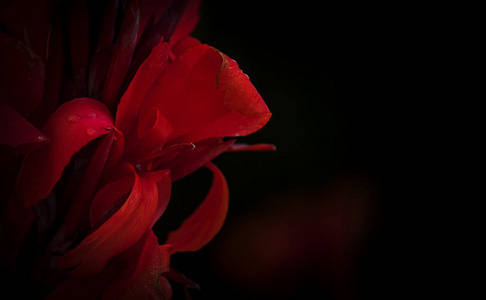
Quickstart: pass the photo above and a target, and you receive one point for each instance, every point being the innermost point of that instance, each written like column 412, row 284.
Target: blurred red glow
column 301, row 238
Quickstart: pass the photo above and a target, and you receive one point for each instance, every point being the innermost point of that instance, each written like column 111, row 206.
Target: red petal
column 149, row 71
column 120, row 231
column 246, row 110
column 164, row 188
column 141, row 280
column 21, row 76
column 120, row 62
column 189, row 161
column 16, row 131
column 153, row 130
column 206, row 221
column 76, row 219
column 166, row 287
column 115, row 157
column 177, row 276
column 204, row 95
column 256, row 147
column 107, row 197
column 184, row 44
column 69, row 128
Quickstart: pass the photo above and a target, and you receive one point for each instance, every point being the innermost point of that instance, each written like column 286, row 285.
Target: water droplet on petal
column 41, row 138
column 73, row 118
column 92, row 115
column 92, row 132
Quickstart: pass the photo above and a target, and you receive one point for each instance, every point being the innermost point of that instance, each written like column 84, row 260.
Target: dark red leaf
column 16, row 131
column 21, row 76
column 108, row 23
column 122, row 56
column 79, row 46
column 54, row 71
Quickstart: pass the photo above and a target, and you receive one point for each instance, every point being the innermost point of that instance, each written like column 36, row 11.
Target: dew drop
column 92, row 132
column 40, row 138
column 92, row 115
column 73, row 118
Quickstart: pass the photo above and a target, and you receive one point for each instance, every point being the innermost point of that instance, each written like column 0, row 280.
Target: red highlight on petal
column 69, row 128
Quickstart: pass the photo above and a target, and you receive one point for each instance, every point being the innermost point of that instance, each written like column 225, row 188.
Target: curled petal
column 153, row 130
column 204, row 95
column 104, row 203
column 206, row 221
column 69, row 128
column 121, row 230
column 246, row 112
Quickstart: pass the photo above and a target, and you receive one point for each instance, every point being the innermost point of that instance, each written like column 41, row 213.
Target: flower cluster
column 104, row 104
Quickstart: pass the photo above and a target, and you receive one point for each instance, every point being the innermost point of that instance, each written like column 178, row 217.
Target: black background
column 333, row 75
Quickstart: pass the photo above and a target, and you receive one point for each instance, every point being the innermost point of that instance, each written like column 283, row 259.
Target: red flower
column 140, row 106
